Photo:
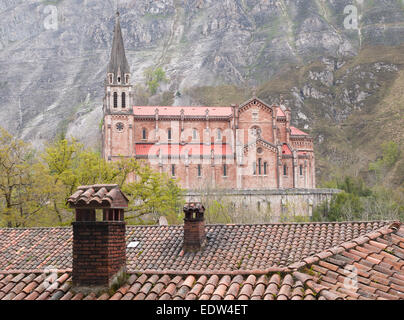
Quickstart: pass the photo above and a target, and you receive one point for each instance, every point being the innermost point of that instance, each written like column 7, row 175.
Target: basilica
column 248, row 146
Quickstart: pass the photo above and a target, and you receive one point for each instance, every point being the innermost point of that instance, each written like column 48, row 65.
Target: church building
column 248, row 146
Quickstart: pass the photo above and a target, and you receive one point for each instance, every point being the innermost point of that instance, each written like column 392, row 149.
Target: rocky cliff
column 334, row 71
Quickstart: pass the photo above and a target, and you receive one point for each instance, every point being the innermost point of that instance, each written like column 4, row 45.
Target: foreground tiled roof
column 228, row 248
column 376, row 260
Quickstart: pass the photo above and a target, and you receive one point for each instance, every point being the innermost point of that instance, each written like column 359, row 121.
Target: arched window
column 115, row 100
column 265, row 168
column 173, row 170
column 219, row 134
column 285, row 170
column 169, row 133
column 119, row 79
column 194, row 134
column 259, row 166
column 301, row 170
column 110, row 79
column 256, row 131
column 144, row 134
column 123, row 100
column 127, row 79
column 199, row 170
column 254, row 168
column 224, row 170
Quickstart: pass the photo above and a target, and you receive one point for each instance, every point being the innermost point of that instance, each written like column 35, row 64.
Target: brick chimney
column 194, row 227
column 99, row 247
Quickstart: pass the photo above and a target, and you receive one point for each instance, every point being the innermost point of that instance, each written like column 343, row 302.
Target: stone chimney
column 194, row 227
column 99, row 247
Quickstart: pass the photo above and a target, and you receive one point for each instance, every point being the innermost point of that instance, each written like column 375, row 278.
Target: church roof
column 285, row 149
column 297, row 132
column 280, row 113
column 189, row 111
column 118, row 64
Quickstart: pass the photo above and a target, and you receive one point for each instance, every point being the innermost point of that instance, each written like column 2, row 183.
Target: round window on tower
column 119, row 126
column 260, row 150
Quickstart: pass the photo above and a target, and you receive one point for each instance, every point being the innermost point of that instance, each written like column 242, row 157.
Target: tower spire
column 118, row 64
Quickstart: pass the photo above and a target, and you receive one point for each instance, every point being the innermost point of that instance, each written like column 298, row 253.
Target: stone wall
column 263, row 206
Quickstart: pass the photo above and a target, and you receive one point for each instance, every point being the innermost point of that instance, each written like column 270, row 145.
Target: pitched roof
column 286, row 150
column 189, row 111
column 297, row 132
column 280, row 112
column 228, row 248
column 377, row 256
column 251, row 100
column 118, row 61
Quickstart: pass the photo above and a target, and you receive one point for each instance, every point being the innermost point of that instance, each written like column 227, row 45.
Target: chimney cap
column 98, row 196
column 194, row 207
column 194, row 211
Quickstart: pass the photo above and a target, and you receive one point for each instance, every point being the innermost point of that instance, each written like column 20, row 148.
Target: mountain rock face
column 54, row 55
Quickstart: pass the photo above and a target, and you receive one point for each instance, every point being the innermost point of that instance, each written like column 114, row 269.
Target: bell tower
column 117, row 124
column 118, row 90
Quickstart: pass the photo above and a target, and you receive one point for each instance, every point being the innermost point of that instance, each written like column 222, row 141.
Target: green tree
column 342, row 207
column 33, row 190
column 154, row 77
column 25, row 188
column 61, row 158
column 391, row 153
column 153, row 194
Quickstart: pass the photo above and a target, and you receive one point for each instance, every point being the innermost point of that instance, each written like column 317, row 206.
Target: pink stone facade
column 248, row 146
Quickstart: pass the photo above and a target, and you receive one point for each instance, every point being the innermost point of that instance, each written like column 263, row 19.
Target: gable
column 257, row 104
column 261, row 143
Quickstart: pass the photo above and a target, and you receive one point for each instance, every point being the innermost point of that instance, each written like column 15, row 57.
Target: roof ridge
column 256, row 98
column 213, row 272
column 30, row 228
column 346, row 245
column 27, row 271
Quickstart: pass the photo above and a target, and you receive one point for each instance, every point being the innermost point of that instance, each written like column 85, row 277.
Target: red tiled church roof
column 297, row 132
column 286, row 150
column 280, row 113
column 199, row 111
column 378, row 257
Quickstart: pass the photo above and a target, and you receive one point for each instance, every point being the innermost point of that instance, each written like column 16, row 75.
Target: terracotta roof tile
column 104, row 296
column 379, row 273
column 267, row 245
column 233, row 290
